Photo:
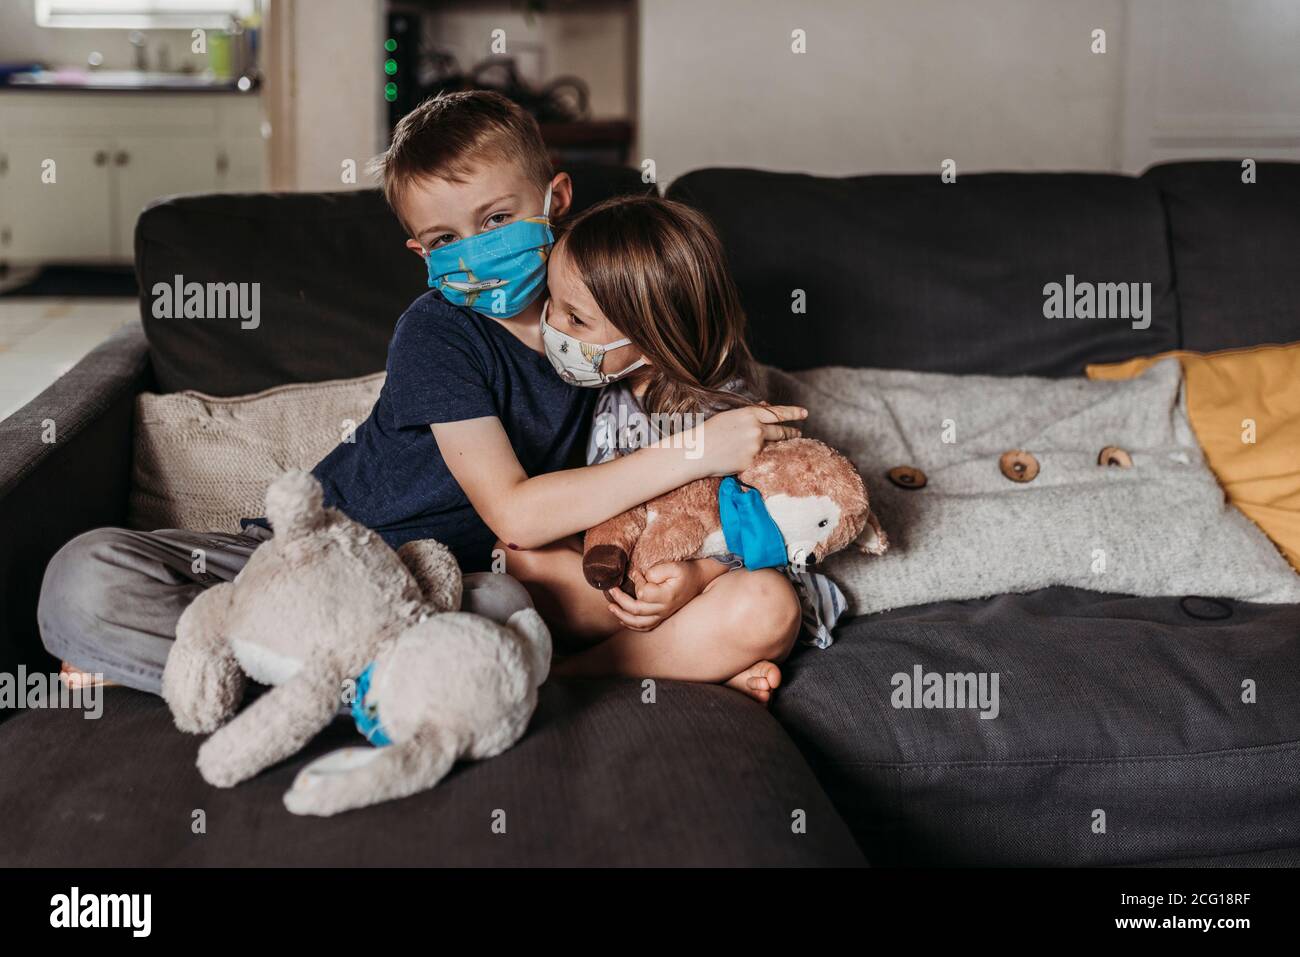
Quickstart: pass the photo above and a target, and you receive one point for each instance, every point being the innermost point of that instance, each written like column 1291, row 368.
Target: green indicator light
column 390, row 44
column 390, row 92
column 390, row 66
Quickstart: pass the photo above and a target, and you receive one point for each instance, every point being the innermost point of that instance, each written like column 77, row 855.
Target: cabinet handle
column 5, row 236
column 4, row 165
column 223, row 162
column 122, row 158
column 101, row 157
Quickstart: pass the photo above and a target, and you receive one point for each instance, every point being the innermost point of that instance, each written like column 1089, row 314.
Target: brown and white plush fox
column 813, row 493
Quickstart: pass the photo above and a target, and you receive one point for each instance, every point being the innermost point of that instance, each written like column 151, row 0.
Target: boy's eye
column 496, row 219
column 442, row 240
column 575, row 321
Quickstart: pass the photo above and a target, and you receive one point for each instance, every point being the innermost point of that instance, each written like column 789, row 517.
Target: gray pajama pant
column 111, row 597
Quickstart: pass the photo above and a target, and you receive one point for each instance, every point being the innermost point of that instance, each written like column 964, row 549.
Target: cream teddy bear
column 327, row 613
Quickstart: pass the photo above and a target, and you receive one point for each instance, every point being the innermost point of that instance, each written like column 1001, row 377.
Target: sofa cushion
column 203, row 462
column 1234, row 249
column 332, row 274
column 907, row 272
column 1176, row 719
column 701, row 777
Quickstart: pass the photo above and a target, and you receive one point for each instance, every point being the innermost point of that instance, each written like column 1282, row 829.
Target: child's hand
column 729, row 440
column 661, row 592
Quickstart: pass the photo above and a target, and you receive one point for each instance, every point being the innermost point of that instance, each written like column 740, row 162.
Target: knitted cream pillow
column 203, row 463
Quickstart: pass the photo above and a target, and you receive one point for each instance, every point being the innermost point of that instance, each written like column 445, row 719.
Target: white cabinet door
column 114, row 154
column 240, row 163
column 67, row 220
column 147, row 168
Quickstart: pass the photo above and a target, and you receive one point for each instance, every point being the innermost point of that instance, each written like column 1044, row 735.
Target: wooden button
column 1114, row 455
column 904, row 476
column 1018, row 465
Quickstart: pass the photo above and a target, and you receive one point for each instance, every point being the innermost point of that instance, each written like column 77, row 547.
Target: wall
column 323, row 94
column 883, row 86
column 999, row 84
column 1211, row 79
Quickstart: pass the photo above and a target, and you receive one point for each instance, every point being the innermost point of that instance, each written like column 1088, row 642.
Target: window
column 141, row 14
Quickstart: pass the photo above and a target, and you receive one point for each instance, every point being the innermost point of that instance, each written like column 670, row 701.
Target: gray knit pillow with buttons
column 990, row 485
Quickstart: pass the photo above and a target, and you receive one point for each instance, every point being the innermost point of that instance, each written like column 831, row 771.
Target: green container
column 221, row 55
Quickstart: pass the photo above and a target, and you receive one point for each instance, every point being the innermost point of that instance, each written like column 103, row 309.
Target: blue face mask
column 499, row 272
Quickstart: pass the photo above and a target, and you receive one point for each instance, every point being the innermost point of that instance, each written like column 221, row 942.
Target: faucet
column 137, row 40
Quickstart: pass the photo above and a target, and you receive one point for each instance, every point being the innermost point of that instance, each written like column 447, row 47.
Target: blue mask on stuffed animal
column 748, row 527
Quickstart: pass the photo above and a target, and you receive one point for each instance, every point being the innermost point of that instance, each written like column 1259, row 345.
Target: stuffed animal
column 326, row 612
column 799, row 502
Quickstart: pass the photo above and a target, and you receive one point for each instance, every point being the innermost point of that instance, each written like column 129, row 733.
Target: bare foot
column 758, row 681
column 74, row 677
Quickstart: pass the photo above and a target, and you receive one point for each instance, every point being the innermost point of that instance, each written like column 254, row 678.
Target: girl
column 640, row 297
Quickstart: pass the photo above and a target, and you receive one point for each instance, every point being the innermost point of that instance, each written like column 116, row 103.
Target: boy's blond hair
column 446, row 135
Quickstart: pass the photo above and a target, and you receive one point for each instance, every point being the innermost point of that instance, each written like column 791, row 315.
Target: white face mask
column 578, row 362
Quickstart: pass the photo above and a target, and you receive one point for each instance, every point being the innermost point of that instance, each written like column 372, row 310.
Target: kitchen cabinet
column 113, row 154
column 69, row 219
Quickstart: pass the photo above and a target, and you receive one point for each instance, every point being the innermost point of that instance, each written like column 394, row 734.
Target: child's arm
column 531, row 512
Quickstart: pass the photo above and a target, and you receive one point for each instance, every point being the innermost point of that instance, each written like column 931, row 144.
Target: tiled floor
column 42, row 338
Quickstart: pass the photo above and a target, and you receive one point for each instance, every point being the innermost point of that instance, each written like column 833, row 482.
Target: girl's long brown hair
column 657, row 270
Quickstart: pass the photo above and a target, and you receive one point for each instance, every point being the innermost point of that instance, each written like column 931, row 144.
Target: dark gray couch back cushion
column 1236, row 251
column 909, row 272
column 333, row 280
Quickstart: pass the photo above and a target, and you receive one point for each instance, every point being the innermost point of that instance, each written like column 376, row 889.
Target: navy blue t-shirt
column 447, row 364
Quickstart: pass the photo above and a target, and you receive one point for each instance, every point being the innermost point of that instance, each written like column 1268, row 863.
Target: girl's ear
column 415, row 247
column 561, row 196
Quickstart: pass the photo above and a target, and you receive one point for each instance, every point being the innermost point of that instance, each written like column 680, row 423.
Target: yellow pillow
column 1233, row 397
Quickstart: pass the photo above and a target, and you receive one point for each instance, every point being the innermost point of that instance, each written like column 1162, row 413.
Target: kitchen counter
column 115, row 149
column 124, row 81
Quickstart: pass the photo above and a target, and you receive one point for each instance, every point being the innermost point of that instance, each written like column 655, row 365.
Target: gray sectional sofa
column 1126, row 705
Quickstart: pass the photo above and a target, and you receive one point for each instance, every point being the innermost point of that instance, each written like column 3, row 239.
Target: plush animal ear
column 873, row 539
column 295, row 504
column 436, row 571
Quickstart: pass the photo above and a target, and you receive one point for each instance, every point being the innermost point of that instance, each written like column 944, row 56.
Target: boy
column 458, row 165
